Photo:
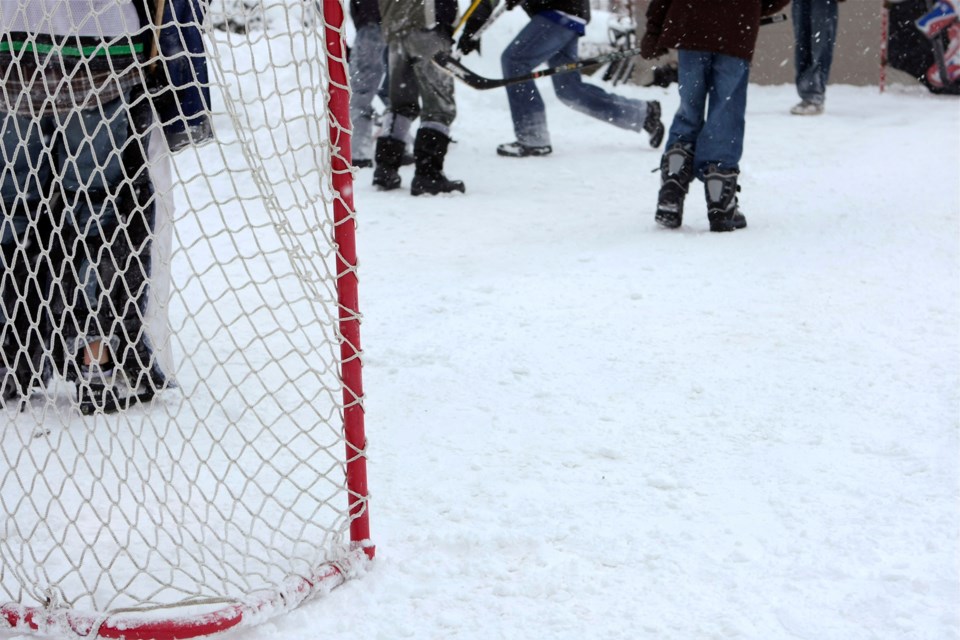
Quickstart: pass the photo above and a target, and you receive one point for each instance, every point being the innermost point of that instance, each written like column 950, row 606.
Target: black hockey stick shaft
column 452, row 65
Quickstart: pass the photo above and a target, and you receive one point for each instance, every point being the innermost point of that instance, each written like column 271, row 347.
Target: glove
column 469, row 41
column 512, row 3
column 445, row 33
column 650, row 48
column 468, row 45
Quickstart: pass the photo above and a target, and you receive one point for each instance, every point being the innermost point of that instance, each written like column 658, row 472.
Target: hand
column 445, row 33
column 468, row 45
column 649, row 48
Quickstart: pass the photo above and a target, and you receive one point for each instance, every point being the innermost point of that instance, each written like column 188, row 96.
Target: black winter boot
column 430, row 148
column 676, row 173
column 720, row 186
column 653, row 125
column 388, row 156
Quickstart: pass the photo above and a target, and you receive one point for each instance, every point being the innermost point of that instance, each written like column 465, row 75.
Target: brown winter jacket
column 719, row 26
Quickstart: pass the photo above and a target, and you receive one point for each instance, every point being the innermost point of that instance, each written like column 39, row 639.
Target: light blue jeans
column 815, row 32
column 543, row 40
column 368, row 67
column 713, row 103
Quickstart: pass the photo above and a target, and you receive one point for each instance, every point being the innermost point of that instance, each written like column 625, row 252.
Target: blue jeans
column 716, row 85
column 815, row 32
column 542, row 40
column 368, row 66
column 80, row 152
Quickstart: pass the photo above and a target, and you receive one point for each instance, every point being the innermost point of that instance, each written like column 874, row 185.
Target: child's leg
column 367, row 70
column 717, row 160
column 676, row 165
column 90, row 168
column 23, row 181
column 537, row 42
column 694, row 75
column 720, row 141
column 108, row 218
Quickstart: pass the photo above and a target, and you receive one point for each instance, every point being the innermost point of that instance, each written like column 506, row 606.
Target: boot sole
column 422, row 191
column 387, row 186
column 524, row 152
column 722, row 226
column 669, row 221
column 656, row 137
column 108, row 402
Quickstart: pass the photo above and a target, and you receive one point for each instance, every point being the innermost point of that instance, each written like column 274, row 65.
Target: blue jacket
column 181, row 88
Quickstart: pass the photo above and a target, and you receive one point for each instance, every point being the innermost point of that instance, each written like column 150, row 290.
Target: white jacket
column 96, row 18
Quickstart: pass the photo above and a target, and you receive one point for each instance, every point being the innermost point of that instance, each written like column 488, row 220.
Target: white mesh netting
column 205, row 278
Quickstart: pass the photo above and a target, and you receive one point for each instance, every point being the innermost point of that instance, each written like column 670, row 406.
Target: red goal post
column 240, row 491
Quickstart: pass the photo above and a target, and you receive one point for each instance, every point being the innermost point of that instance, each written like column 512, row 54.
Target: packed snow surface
column 583, row 426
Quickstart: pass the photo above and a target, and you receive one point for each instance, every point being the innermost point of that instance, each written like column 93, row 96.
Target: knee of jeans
column 91, row 224
column 570, row 94
column 565, row 90
column 89, row 284
column 511, row 65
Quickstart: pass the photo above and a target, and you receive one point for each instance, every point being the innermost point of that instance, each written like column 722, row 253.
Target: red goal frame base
column 260, row 607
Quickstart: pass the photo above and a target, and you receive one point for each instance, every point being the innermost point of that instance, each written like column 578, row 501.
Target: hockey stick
column 467, row 14
column 780, row 17
column 157, row 26
column 496, row 13
column 453, row 66
column 493, row 16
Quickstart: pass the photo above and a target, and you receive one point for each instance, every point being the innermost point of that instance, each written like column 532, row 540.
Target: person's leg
column 404, row 109
column 437, row 113
column 720, row 141
column 366, row 75
column 25, row 174
column 109, row 205
column 802, row 35
column 823, row 22
column 676, row 165
column 90, row 169
column 815, row 32
column 720, row 145
column 438, row 108
column 694, row 67
column 589, row 99
column 535, row 44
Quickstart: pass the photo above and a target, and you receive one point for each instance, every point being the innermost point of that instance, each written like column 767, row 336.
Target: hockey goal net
column 182, row 448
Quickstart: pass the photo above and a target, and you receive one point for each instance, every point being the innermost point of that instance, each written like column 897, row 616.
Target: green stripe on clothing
column 86, row 52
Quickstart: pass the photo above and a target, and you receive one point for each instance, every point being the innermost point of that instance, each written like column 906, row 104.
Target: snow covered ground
column 583, row 426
